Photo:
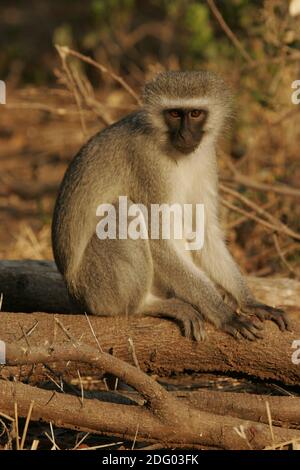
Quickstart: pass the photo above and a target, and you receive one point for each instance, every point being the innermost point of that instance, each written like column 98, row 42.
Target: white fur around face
column 197, row 103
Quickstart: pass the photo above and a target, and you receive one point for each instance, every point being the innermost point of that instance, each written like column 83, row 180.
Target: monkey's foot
column 239, row 325
column 191, row 321
column 265, row 312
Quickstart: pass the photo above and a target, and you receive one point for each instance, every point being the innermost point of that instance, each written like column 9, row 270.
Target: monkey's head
column 184, row 108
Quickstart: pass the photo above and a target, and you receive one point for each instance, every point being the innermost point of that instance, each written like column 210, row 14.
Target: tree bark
column 32, row 286
column 284, row 410
column 159, row 346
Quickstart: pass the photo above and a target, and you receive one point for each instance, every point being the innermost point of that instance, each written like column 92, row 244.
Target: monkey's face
column 185, row 128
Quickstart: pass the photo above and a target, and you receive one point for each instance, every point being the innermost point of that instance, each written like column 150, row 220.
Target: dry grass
column 30, row 244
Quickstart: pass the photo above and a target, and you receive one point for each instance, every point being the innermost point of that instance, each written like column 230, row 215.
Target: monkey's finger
column 287, row 322
column 278, row 320
column 281, row 320
column 261, row 315
column 246, row 328
column 232, row 329
column 251, row 333
column 247, row 334
column 238, row 334
column 277, row 315
column 280, row 317
column 199, row 330
column 256, row 329
column 187, row 329
column 250, row 329
column 258, row 326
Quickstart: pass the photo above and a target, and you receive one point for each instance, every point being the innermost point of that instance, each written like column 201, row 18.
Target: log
column 159, row 346
column 36, row 285
column 33, row 285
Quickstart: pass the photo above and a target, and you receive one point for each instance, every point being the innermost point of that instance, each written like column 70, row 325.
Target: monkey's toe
column 198, row 328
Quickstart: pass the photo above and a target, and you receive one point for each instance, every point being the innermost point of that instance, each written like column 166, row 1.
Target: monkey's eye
column 174, row 113
column 197, row 113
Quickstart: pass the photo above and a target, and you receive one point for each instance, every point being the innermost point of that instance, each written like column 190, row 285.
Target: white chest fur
column 195, row 177
column 195, row 182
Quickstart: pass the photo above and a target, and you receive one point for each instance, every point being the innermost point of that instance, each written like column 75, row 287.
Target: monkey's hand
column 240, row 325
column 226, row 319
column 265, row 312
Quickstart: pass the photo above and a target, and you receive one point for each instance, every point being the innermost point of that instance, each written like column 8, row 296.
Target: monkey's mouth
column 186, row 148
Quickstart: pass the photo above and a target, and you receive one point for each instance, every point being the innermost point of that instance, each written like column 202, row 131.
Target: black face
column 185, row 128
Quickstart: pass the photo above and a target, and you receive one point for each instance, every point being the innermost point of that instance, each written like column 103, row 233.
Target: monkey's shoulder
column 134, row 125
column 116, row 139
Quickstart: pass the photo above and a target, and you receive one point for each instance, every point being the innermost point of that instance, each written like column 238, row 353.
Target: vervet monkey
column 163, row 153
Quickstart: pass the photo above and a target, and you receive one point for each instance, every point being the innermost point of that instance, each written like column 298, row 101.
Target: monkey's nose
column 185, row 138
column 182, row 136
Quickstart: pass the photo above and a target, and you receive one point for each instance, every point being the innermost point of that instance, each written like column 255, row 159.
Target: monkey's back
column 88, row 183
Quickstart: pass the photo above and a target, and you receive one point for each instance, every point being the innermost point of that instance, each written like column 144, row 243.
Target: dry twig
column 216, row 12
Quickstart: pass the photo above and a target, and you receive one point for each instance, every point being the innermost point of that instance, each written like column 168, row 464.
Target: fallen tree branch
column 159, row 346
column 30, row 285
column 284, row 410
column 165, row 419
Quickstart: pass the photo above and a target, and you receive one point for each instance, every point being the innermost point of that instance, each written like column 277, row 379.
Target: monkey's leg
column 191, row 320
column 180, row 275
column 114, row 276
column 115, row 279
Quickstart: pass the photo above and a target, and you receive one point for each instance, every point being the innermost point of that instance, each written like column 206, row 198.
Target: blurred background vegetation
column 130, row 34
column 55, row 100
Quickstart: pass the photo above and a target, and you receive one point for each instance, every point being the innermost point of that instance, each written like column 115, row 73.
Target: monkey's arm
column 189, row 283
column 218, row 263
